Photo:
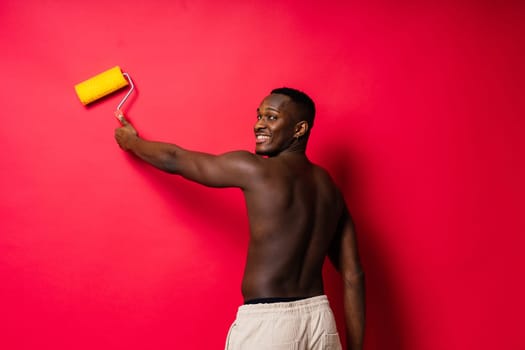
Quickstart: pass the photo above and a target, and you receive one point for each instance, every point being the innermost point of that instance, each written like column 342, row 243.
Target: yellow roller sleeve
column 100, row 85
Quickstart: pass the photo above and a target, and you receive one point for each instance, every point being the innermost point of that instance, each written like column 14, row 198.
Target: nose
column 259, row 124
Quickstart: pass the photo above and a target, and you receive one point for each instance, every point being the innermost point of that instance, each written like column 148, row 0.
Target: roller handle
column 118, row 112
column 119, row 115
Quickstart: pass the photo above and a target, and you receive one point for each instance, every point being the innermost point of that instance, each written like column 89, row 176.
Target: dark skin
column 297, row 214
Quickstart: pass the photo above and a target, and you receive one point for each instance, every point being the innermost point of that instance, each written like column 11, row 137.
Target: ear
column 301, row 129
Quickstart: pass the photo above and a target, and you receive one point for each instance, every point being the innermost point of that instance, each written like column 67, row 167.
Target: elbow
column 354, row 279
column 167, row 162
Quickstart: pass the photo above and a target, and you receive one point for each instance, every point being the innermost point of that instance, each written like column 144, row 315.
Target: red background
column 420, row 121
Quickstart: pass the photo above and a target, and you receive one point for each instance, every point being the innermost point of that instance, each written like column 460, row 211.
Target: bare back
column 293, row 208
column 297, row 215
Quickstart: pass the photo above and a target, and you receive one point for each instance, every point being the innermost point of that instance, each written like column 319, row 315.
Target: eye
column 272, row 117
column 259, row 117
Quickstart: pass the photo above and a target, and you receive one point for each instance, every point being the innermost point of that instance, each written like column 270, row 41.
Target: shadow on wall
column 384, row 317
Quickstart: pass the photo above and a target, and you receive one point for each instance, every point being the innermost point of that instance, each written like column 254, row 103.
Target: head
column 284, row 121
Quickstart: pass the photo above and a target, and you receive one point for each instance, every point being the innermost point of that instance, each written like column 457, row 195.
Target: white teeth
column 263, row 137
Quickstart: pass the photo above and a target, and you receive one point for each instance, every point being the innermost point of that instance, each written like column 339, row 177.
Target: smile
column 261, row 138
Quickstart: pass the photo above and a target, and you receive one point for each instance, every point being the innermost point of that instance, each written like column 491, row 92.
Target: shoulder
column 324, row 176
column 242, row 158
column 325, row 179
column 244, row 162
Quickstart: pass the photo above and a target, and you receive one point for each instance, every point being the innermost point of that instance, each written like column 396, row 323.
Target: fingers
column 120, row 117
column 125, row 130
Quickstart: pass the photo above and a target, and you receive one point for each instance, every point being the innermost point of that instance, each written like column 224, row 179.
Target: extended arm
column 234, row 169
column 345, row 257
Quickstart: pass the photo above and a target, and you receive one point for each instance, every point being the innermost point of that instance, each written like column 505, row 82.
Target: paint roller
column 104, row 84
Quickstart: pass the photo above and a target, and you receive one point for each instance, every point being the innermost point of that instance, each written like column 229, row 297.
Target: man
column 297, row 217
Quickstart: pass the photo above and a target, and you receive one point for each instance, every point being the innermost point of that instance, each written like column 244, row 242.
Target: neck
column 296, row 147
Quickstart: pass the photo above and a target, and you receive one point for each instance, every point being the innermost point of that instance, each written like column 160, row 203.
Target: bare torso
column 297, row 215
column 293, row 211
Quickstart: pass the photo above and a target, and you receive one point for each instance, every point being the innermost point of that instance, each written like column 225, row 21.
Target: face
column 275, row 126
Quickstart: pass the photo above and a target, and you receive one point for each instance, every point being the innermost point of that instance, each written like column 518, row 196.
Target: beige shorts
column 298, row 325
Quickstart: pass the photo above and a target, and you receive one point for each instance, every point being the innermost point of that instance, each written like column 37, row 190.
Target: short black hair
column 306, row 104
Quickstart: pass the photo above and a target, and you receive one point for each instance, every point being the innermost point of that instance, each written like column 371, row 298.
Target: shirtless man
column 297, row 217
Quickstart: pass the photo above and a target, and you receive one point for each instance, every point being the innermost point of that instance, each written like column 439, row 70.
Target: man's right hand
column 126, row 135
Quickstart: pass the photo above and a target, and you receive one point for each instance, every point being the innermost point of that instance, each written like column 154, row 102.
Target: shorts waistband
column 304, row 305
column 272, row 300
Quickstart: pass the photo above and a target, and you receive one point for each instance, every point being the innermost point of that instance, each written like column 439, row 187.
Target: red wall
column 420, row 121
